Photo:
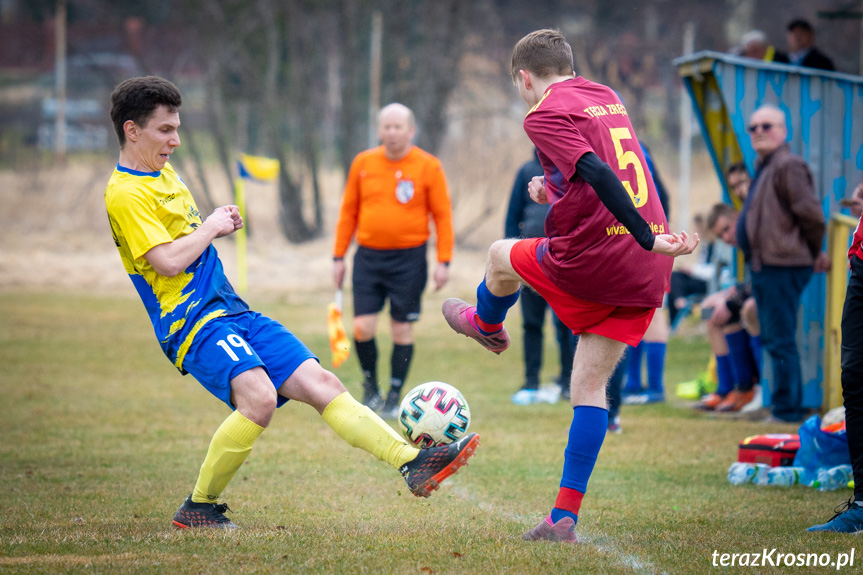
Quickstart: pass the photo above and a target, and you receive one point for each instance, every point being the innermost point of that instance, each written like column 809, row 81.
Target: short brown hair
column 544, row 53
column 736, row 167
column 136, row 99
column 717, row 212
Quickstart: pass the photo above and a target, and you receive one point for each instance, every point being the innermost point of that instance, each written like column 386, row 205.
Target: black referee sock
column 400, row 363
column 367, row 353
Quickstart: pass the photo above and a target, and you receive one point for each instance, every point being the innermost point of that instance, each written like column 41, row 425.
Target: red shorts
column 620, row 323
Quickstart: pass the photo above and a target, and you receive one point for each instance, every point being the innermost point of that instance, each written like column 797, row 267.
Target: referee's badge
column 404, row 191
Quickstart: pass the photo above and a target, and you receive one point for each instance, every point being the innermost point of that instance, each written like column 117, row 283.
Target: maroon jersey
column 589, row 254
column 856, row 248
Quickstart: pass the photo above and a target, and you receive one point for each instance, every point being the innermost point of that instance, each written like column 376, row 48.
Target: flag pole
column 240, row 200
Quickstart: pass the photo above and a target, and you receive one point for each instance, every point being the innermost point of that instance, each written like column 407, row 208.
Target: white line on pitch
column 591, row 537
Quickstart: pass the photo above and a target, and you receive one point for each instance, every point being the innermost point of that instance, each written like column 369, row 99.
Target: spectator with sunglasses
column 780, row 231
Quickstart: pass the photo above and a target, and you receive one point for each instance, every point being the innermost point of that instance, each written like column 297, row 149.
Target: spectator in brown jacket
column 780, row 231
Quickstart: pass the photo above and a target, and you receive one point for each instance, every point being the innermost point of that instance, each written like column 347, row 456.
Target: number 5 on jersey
column 626, row 159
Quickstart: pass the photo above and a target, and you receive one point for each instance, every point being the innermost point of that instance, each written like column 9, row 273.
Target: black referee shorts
column 397, row 275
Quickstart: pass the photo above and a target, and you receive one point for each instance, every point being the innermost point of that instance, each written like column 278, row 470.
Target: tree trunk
column 352, row 101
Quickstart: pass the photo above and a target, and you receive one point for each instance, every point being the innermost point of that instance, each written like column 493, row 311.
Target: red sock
column 568, row 503
column 486, row 328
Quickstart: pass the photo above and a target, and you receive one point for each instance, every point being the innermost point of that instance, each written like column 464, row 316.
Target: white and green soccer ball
column 434, row 413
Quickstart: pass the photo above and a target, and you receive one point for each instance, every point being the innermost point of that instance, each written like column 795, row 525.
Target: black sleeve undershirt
column 614, row 197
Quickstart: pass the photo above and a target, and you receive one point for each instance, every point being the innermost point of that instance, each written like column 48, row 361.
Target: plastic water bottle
column 784, row 476
column 760, row 477
column 726, row 278
column 833, row 478
column 740, row 473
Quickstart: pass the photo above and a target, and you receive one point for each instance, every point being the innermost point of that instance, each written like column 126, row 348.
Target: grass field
column 102, row 438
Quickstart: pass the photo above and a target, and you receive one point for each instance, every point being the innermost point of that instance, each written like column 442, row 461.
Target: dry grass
column 102, row 437
column 102, row 440
column 54, row 234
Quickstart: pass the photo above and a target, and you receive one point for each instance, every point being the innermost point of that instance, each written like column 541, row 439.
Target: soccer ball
column 434, row 413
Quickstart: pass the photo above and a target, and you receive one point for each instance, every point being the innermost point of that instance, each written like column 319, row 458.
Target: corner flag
column 257, row 168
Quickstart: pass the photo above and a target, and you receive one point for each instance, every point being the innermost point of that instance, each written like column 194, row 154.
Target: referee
column 390, row 192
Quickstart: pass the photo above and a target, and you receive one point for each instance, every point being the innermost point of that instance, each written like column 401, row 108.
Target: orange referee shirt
column 388, row 203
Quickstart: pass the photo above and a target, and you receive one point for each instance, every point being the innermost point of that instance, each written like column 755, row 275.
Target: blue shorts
column 229, row 345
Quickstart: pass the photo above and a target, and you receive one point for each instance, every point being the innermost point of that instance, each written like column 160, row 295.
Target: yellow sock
column 229, row 448
column 361, row 427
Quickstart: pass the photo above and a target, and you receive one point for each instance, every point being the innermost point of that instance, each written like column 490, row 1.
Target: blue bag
column 820, row 449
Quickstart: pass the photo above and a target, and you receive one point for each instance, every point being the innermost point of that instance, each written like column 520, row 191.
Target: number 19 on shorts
column 234, row 342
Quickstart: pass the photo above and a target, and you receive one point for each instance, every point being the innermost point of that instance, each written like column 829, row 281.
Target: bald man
column 780, row 231
column 390, row 193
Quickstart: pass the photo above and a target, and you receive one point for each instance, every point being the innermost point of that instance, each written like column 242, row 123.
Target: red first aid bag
column 773, row 449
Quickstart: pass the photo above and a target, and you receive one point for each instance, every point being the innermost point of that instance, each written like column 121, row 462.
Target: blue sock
column 655, row 352
column 755, row 344
column 633, row 372
column 586, row 434
column 741, row 357
column 491, row 309
column 724, row 374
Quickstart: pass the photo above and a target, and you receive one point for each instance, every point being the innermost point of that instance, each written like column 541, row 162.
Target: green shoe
column 688, row 389
column 696, row 388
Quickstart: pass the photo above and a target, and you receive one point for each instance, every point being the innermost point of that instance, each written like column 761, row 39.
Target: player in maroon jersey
column 604, row 266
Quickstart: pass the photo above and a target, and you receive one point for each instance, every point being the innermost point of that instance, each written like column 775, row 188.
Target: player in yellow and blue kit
column 249, row 361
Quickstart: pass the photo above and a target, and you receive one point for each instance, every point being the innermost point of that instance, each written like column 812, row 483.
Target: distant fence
column 824, row 112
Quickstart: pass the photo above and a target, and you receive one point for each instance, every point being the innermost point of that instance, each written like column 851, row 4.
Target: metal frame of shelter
column 824, row 116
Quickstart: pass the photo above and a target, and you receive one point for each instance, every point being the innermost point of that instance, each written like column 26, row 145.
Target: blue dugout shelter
column 824, row 114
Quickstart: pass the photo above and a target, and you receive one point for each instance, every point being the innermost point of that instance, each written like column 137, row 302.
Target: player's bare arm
column 170, row 259
column 721, row 314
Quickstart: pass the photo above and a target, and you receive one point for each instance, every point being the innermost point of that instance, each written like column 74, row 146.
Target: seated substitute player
column 249, row 361
column 733, row 330
column 602, row 279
